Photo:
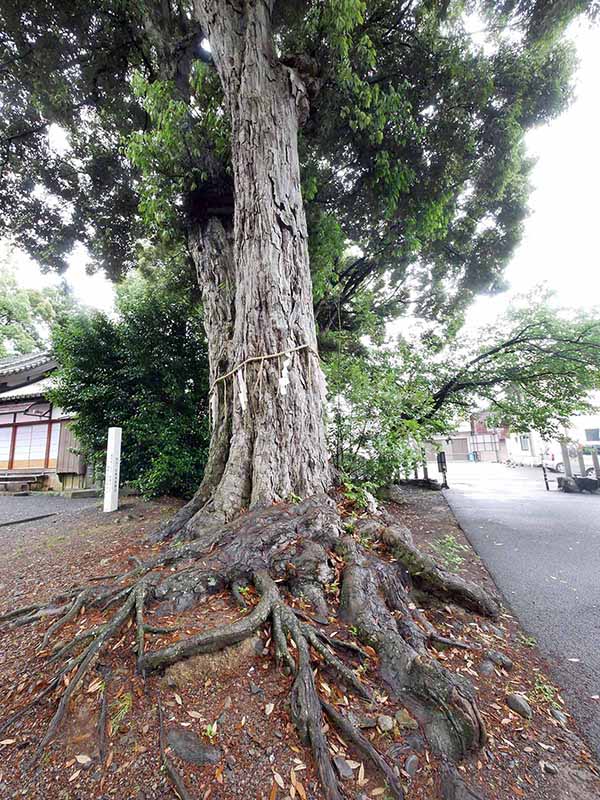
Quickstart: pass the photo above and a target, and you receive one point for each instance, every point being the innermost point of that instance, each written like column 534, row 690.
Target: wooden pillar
column 48, row 438
column 13, row 441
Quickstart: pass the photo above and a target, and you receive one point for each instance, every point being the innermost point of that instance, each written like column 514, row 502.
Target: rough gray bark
column 212, row 250
column 274, row 406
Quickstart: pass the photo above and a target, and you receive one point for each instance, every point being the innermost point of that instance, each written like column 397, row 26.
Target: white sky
column 560, row 246
column 95, row 291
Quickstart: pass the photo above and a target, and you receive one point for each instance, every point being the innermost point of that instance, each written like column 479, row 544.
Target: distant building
column 585, row 430
column 473, row 440
column 37, row 446
column 526, row 448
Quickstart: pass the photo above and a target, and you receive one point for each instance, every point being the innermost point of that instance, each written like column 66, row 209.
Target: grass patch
column 121, row 707
column 449, row 550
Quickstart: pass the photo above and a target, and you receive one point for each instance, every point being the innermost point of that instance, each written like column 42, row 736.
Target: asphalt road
column 543, row 550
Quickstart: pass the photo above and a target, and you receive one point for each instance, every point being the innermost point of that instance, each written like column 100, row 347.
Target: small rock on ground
column 500, row 660
column 518, row 704
column 559, row 716
column 551, row 769
column 486, row 667
column 344, row 769
column 385, row 723
column 411, row 765
column 188, row 746
column 497, row 631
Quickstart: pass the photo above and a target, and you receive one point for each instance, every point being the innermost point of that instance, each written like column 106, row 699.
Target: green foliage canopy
column 27, row 315
column 413, row 150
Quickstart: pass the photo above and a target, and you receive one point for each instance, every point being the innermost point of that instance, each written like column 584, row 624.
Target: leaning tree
column 204, row 123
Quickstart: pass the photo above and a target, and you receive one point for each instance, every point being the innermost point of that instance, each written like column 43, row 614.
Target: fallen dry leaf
column 279, row 780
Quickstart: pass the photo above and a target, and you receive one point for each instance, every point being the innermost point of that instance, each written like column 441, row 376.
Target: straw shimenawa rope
column 262, row 358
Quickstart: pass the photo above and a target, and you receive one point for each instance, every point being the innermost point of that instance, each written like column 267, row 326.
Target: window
column 30, row 447
column 5, row 437
column 524, row 441
column 53, row 449
column 592, row 435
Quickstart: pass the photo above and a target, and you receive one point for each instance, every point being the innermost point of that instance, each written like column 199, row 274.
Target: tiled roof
column 30, row 390
column 17, row 364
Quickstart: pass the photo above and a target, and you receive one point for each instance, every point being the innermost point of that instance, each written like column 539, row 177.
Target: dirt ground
column 237, row 701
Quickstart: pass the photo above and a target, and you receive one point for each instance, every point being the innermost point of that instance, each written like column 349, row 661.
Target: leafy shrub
column 378, row 425
column 146, row 372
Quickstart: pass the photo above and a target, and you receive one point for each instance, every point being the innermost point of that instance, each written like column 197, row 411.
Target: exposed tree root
column 364, row 746
column 443, row 703
column 102, row 727
column 292, row 555
column 74, row 609
column 84, row 662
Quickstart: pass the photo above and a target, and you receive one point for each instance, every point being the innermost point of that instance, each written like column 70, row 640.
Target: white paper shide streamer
column 242, row 390
column 214, row 406
column 285, row 375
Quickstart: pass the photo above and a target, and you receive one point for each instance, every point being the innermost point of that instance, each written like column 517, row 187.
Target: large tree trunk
column 268, row 391
column 211, row 245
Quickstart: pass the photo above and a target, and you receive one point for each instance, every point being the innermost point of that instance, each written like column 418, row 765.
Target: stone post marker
column 113, row 470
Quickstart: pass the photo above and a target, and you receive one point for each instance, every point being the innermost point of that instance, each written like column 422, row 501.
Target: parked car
column 552, row 459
